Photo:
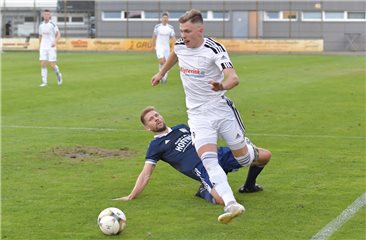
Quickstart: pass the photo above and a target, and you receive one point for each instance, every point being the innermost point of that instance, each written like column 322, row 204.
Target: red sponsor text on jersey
column 190, row 71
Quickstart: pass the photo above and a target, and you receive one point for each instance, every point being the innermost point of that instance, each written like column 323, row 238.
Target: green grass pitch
column 309, row 110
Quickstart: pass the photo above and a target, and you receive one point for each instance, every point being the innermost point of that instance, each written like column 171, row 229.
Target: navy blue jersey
column 176, row 149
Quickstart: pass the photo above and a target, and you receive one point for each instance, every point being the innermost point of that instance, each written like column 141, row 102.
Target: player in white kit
column 204, row 64
column 49, row 35
column 163, row 32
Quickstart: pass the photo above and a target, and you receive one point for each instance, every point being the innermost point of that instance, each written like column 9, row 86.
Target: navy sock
column 253, row 173
column 203, row 193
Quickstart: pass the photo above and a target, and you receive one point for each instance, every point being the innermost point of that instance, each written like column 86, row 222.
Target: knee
column 267, row 154
column 264, row 156
column 239, row 150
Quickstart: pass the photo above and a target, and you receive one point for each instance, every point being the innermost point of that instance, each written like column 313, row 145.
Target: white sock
column 248, row 158
column 218, row 177
column 56, row 70
column 44, row 74
column 244, row 160
column 251, row 152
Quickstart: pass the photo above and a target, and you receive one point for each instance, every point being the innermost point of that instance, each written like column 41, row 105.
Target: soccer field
column 68, row 150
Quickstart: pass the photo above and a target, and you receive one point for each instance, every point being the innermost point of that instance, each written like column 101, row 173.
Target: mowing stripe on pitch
column 334, row 225
column 306, row 136
column 140, row 130
column 72, row 128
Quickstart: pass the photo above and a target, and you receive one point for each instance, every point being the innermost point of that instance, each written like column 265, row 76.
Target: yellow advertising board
column 19, row 44
column 144, row 44
column 268, row 45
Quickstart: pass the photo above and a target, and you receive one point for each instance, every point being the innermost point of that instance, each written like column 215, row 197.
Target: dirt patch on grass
column 83, row 152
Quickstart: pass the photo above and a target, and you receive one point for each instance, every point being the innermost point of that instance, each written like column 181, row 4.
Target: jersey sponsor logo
column 183, row 142
column 196, row 73
column 183, row 130
column 167, row 141
column 164, row 34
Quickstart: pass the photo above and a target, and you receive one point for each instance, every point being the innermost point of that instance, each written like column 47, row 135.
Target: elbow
column 236, row 81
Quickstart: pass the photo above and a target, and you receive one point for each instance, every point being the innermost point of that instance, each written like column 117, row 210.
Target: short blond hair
column 193, row 16
column 144, row 112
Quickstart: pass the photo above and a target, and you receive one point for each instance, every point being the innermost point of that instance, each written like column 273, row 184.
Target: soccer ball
column 111, row 221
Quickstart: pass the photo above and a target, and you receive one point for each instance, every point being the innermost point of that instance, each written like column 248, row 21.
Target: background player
column 163, row 32
column 49, row 35
column 174, row 146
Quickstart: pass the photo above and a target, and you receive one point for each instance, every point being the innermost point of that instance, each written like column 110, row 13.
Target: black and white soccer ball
column 111, row 221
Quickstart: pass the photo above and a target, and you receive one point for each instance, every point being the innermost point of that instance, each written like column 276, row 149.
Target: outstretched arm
column 172, row 59
column 141, row 182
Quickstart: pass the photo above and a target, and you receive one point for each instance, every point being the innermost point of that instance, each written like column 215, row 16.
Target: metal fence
column 22, row 18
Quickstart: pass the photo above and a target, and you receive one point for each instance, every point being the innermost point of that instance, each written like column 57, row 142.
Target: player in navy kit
column 174, row 146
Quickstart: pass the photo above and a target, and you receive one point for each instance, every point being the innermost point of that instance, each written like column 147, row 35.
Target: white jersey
column 163, row 34
column 199, row 66
column 48, row 32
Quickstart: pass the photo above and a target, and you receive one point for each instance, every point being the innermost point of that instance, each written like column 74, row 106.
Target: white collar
column 163, row 134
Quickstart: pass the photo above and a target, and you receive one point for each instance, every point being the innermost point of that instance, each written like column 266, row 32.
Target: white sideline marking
column 140, row 130
column 334, row 225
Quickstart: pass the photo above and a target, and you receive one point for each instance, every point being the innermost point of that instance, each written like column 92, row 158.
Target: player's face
column 46, row 16
column 154, row 122
column 192, row 34
column 164, row 19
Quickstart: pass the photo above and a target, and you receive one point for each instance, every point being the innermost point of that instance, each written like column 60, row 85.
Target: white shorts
column 216, row 119
column 162, row 52
column 49, row 54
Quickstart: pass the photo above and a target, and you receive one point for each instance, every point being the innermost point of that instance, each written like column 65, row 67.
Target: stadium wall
column 340, row 24
column 342, row 33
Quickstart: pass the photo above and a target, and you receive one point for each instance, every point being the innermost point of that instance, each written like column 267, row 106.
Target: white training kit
column 163, row 34
column 48, row 32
